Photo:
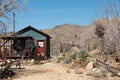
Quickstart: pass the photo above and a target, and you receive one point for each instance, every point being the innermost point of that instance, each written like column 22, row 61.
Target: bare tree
column 110, row 36
column 6, row 7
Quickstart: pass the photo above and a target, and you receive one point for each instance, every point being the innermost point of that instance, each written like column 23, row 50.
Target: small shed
column 28, row 42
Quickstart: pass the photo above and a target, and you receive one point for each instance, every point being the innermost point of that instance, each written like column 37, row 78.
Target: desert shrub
column 74, row 57
column 98, row 73
column 69, row 57
column 59, row 58
column 82, row 55
column 36, row 61
column 67, row 60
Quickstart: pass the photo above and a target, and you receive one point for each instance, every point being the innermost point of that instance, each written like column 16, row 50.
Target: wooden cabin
column 28, row 43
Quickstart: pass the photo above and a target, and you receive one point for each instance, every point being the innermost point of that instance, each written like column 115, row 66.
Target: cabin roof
column 14, row 37
column 31, row 28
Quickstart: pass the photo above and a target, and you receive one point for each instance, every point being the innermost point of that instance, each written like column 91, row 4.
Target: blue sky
column 45, row 14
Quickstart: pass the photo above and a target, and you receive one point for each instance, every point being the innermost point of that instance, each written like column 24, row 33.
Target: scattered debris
column 108, row 67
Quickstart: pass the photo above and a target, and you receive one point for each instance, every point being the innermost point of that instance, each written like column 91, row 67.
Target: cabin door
column 41, row 47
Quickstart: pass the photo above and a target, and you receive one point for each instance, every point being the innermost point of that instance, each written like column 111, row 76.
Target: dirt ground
column 51, row 71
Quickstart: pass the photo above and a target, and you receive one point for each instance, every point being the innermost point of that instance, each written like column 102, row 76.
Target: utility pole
column 13, row 23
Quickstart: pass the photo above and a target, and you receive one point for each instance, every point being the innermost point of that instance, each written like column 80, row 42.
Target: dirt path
column 52, row 71
column 49, row 71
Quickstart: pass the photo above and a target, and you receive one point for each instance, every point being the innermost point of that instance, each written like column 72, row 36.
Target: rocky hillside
column 66, row 36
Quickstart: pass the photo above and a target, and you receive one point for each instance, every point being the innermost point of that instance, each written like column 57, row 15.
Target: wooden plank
column 108, row 67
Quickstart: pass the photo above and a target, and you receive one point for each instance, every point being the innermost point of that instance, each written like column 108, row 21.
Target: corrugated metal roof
column 31, row 28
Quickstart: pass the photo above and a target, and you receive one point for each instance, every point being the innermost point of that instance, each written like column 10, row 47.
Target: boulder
column 89, row 66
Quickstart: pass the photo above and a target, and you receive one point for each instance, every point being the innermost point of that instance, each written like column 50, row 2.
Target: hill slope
column 66, row 36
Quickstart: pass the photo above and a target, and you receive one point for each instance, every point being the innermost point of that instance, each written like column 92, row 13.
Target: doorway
column 41, row 47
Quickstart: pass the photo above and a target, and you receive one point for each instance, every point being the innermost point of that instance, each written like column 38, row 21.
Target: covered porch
column 17, row 47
